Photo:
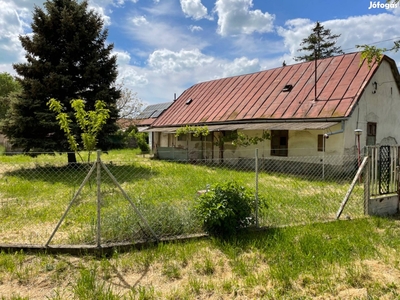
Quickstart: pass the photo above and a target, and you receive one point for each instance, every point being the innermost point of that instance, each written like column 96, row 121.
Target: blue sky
column 165, row 46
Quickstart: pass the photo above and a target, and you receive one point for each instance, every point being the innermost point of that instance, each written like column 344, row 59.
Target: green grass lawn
column 35, row 192
column 345, row 259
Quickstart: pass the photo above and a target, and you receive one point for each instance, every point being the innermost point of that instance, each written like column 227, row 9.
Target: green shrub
column 225, row 208
column 141, row 139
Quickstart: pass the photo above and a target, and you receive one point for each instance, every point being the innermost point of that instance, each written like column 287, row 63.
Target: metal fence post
column 98, row 233
column 256, row 193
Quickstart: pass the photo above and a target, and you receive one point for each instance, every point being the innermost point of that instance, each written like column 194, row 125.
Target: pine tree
column 321, row 43
column 67, row 58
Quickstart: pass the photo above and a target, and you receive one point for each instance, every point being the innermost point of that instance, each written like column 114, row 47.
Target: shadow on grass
column 74, row 174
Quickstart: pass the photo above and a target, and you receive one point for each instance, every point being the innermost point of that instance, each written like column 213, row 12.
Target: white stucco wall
column 381, row 106
column 300, row 143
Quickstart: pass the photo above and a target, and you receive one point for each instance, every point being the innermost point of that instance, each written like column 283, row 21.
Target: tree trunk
column 71, row 158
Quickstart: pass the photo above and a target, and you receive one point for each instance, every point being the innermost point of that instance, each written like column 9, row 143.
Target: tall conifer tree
column 321, row 43
column 67, row 58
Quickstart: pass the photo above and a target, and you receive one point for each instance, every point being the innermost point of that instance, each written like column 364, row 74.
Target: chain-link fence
column 130, row 198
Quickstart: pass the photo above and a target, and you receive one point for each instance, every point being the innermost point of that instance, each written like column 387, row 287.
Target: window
column 321, row 144
column 279, row 142
column 182, row 138
column 371, row 134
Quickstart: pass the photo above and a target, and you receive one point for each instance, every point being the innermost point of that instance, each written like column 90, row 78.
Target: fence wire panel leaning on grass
column 35, row 192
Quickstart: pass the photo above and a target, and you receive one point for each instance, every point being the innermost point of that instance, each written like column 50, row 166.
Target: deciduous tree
column 90, row 123
column 8, row 88
column 128, row 104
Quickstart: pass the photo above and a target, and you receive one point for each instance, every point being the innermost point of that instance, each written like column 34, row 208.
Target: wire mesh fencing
column 130, row 198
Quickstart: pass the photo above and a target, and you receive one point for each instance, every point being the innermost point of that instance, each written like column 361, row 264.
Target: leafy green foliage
column 90, row 122
column 374, row 54
column 141, row 139
column 196, row 130
column 226, row 208
column 8, row 84
column 240, row 139
column 245, row 140
column 321, row 43
column 8, row 87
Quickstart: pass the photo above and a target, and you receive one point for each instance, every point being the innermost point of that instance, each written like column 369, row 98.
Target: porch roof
column 257, row 126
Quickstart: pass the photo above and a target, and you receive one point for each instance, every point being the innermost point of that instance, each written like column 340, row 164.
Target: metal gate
column 384, row 161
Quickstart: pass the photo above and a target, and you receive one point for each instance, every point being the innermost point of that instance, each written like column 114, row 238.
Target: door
column 279, row 142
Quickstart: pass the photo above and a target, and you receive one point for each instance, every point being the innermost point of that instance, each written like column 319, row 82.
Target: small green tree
column 321, row 43
column 90, row 122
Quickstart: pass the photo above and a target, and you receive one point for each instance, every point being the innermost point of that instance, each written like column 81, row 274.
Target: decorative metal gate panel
column 383, row 169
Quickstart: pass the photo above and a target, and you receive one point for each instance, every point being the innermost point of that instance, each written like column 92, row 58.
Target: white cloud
column 139, row 21
column 194, row 9
column 239, row 66
column 166, row 61
column 132, row 76
column 123, row 57
column 396, row 9
column 159, row 35
column 162, row 8
column 100, row 10
column 12, row 24
column 296, row 30
column 235, row 17
column 195, row 28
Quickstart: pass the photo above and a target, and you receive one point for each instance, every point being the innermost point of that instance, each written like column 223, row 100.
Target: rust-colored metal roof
column 260, row 96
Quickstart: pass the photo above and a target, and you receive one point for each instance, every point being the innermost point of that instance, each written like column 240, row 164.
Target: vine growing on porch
column 234, row 137
column 245, row 140
column 196, row 130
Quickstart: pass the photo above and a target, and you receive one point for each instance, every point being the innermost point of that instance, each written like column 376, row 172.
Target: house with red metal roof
column 316, row 108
